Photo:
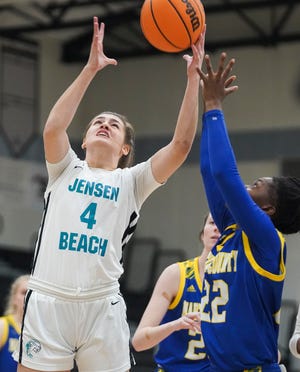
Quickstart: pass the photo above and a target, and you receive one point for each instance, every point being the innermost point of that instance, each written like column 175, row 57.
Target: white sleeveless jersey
column 89, row 216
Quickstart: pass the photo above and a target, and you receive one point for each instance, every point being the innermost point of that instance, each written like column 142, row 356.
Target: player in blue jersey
column 246, row 269
column 73, row 309
column 171, row 318
column 10, row 323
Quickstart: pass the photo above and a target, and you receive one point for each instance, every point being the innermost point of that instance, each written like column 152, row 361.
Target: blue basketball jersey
column 184, row 350
column 9, row 343
column 250, row 320
column 245, row 271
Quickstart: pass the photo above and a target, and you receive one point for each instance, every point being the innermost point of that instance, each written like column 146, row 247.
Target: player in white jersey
column 73, row 309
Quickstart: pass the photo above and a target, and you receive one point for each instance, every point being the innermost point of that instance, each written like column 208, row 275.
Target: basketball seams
column 149, row 10
column 182, row 20
column 197, row 5
column 172, row 25
column 200, row 11
column 159, row 29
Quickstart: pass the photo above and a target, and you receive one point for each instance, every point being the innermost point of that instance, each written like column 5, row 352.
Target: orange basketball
column 172, row 25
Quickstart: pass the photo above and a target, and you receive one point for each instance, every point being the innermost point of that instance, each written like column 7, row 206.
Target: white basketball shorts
column 56, row 331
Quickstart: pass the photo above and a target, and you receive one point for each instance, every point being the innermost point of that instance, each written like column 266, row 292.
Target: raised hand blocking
column 216, row 85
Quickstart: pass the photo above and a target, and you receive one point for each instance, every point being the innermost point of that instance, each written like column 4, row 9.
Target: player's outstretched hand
column 195, row 61
column 97, row 59
column 216, row 85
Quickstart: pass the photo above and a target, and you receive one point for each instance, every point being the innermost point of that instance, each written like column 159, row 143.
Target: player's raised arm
column 169, row 158
column 56, row 141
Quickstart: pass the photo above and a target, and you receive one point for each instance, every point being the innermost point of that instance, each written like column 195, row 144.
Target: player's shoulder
column 4, row 326
column 170, row 276
column 3, row 319
column 172, row 269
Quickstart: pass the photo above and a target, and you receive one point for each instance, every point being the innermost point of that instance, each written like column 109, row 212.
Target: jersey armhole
column 261, row 271
column 199, row 280
column 176, row 300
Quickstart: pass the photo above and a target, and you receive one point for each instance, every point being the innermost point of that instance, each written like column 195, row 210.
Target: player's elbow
column 139, row 342
column 219, row 173
column 48, row 133
column 136, row 344
column 204, row 168
column 53, row 129
column 181, row 148
column 50, row 128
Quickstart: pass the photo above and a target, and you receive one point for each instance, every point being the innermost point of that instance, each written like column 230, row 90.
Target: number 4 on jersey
column 88, row 215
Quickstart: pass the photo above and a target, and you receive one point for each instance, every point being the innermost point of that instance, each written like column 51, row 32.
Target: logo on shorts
column 33, row 347
column 114, row 302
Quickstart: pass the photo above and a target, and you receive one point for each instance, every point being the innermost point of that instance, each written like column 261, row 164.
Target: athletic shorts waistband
column 73, row 294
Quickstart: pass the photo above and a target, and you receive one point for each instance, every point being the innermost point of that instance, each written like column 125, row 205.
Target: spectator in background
column 10, row 323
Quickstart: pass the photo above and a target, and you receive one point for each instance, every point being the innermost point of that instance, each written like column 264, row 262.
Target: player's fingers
column 201, row 73
column 228, row 68
column 231, row 90
column 111, row 61
column 196, row 53
column 195, row 56
column 229, row 81
column 221, row 65
column 194, row 316
column 187, row 57
column 95, row 26
column 201, row 41
column 101, row 32
column 188, row 320
column 208, row 64
column 201, row 83
column 197, row 327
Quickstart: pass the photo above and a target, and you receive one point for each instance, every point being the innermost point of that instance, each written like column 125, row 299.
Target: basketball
column 172, row 25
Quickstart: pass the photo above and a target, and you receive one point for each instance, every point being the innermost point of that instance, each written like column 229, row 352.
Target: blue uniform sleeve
column 257, row 225
column 216, row 203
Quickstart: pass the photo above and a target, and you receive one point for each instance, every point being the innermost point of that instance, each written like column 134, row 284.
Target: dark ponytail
column 287, row 216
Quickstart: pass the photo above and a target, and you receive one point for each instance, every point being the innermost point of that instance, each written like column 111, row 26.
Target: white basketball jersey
column 89, row 216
